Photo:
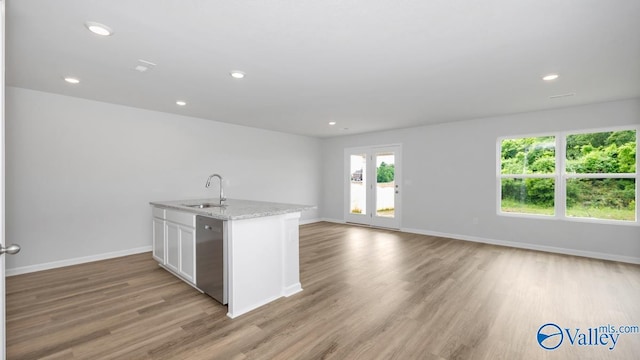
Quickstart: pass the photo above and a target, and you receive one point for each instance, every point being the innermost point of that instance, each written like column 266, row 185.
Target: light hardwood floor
column 368, row 294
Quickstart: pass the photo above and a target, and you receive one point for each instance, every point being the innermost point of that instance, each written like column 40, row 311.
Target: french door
column 372, row 186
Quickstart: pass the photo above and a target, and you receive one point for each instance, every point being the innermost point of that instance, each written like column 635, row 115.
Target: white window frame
column 561, row 176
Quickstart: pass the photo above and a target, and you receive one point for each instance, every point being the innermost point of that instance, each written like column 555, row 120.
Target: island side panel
column 255, row 263
column 291, row 259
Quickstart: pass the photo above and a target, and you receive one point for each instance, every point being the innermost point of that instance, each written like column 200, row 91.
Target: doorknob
column 11, row 249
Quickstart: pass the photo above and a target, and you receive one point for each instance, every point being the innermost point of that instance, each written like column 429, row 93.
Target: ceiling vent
column 144, row 65
column 561, row 96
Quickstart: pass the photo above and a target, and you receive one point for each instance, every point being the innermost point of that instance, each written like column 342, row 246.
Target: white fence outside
column 385, row 194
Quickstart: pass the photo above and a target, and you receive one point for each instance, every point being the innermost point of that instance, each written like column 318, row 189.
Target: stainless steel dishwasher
column 210, row 259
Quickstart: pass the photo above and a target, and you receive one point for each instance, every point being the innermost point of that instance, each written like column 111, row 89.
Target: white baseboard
column 75, row 261
column 235, row 312
column 291, row 289
column 317, row 220
column 513, row 244
column 335, row 221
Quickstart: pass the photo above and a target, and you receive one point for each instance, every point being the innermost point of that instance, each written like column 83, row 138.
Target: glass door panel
column 385, row 184
column 372, row 186
column 358, row 184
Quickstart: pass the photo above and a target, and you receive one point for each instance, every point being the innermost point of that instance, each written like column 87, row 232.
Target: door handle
column 11, row 249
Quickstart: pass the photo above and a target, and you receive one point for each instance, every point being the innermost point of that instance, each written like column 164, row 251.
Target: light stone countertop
column 234, row 209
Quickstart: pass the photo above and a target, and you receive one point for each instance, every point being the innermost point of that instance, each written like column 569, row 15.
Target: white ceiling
column 367, row 64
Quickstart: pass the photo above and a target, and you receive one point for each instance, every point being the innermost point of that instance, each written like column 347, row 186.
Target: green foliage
column 533, row 191
column 576, row 142
column 601, row 193
column 602, row 213
column 544, row 164
column 528, row 155
column 626, row 156
column 621, row 137
column 512, row 206
column 385, row 173
column 577, row 211
column 605, row 159
column 606, row 152
column 611, row 152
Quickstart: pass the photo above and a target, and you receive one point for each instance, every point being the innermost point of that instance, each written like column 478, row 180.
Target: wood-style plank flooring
column 368, row 294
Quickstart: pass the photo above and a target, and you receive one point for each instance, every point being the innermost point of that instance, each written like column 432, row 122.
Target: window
column 587, row 176
column 528, row 168
column 601, row 175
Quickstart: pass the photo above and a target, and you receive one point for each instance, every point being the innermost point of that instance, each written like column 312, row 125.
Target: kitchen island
column 260, row 247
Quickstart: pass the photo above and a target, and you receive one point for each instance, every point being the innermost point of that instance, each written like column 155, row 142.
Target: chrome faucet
column 222, row 198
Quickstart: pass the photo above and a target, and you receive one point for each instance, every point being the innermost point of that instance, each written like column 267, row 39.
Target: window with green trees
column 581, row 175
column 528, row 168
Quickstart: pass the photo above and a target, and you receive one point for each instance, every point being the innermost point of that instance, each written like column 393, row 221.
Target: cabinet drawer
column 180, row 217
column 158, row 212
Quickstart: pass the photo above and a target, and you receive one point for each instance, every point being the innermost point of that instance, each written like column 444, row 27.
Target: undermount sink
column 204, row 206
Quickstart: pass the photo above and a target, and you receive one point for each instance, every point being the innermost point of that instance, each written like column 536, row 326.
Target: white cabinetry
column 159, row 238
column 188, row 253
column 173, row 246
column 178, row 250
column 181, row 250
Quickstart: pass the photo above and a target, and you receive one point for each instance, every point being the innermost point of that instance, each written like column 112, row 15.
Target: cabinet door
column 158, row 240
column 188, row 253
column 173, row 246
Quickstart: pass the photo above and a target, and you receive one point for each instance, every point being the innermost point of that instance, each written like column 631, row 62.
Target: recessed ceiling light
column 71, row 80
column 332, row 123
column 98, row 29
column 181, row 103
column 237, row 74
column 550, row 77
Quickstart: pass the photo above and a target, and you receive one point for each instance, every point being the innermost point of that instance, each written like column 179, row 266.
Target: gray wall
column 80, row 174
column 443, row 200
